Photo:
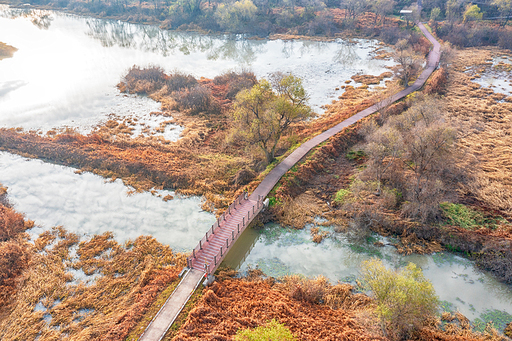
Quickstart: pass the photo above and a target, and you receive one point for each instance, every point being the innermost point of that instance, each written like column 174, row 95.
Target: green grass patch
column 273, row 330
column 356, row 155
column 341, row 196
column 273, row 201
column 427, row 26
column 467, row 218
column 498, row 318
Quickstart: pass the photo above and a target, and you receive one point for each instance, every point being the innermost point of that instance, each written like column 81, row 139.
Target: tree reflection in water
column 153, row 39
column 40, row 18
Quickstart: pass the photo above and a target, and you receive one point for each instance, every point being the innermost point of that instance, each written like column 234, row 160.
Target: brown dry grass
column 15, row 251
column 487, row 126
column 368, row 79
column 233, row 304
column 312, row 309
column 128, row 279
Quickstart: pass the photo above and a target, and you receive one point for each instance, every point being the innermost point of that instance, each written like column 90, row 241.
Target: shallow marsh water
column 66, row 67
column 458, row 283
column 86, row 204
column 495, row 78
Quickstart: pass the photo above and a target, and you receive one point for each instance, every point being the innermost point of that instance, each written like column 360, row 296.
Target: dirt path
column 275, row 175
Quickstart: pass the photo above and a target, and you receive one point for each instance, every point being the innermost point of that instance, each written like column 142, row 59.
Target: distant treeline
column 255, row 17
column 466, row 24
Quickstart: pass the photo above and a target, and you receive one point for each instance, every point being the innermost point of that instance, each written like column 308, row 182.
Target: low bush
column 272, row 331
column 236, row 82
column 196, row 100
column 303, row 289
column 144, row 80
column 405, row 298
column 178, row 81
column 467, row 218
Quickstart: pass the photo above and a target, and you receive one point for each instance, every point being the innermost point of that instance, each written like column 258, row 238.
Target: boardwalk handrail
column 216, row 250
column 255, row 209
column 259, row 194
column 211, row 231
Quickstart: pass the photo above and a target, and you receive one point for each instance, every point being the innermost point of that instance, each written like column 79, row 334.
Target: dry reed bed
column 487, row 123
column 15, row 251
column 49, row 303
column 6, row 51
column 312, row 309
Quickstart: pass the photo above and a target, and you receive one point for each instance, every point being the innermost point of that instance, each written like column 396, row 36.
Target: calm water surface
column 53, row 195
column 66, row 67
column 458, row 283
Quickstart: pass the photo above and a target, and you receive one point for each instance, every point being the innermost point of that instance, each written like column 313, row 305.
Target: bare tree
column 407, row 59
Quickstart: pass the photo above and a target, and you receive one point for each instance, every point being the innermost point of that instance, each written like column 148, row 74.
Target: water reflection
column 278, row 252
column 346, row 54
column 54, row 195
column 152, row 39
column 66, row 75
column 42, row 19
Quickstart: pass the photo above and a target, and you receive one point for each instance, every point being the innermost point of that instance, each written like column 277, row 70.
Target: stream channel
column 64, row 75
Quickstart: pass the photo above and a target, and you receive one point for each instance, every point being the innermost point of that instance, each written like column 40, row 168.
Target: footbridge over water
column 218, row 240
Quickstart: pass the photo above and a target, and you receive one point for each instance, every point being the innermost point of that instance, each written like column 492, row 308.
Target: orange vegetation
column 312, row 309
column 368, row 79
column 51, row 303
column 14, row 250
column 6, row 51
column 233, row 304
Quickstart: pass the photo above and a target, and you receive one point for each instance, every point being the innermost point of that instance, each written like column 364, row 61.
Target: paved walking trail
column 214, row 246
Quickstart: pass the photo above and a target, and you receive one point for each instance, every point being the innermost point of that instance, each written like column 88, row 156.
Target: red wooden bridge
column 213, row 247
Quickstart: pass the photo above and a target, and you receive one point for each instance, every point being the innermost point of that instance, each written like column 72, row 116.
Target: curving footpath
column 214, row 246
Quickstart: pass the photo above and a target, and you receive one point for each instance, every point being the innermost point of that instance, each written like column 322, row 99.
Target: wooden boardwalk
column 213, row 247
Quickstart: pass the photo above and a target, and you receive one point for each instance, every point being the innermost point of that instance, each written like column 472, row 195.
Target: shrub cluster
column 476, row 35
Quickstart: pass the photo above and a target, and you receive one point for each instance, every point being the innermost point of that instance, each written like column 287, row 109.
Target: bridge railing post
column 238, row 226
column 200, row 245
column 227, row 243
column 233, row 235
column 194, row 253
column 221, row 251
column 215, row 259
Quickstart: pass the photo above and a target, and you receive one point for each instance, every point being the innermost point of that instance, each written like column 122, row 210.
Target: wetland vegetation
column 433, row 171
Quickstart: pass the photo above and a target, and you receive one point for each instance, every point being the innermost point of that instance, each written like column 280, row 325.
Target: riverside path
column 218, row 240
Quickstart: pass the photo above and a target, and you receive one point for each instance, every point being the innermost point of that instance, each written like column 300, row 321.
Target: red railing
column 246, row 220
